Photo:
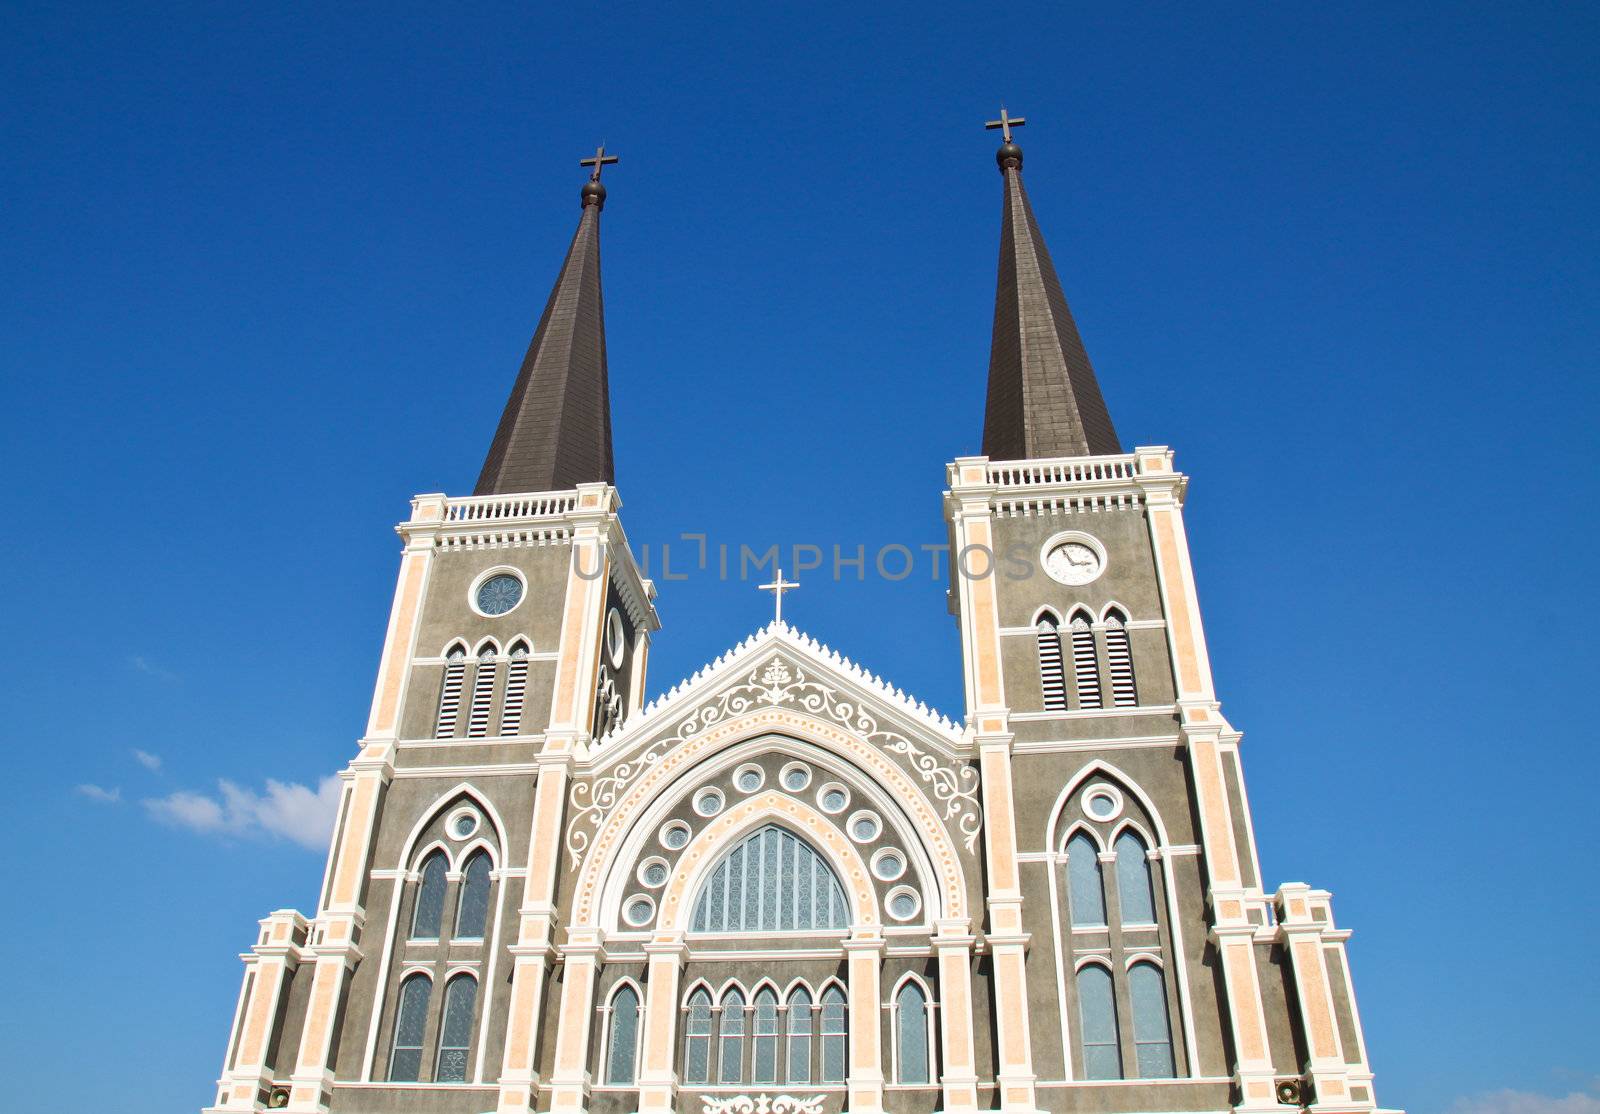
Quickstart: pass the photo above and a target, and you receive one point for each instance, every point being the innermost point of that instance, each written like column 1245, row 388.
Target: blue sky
column 269, row 272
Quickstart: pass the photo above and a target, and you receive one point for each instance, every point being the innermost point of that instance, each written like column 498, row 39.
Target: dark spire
column 555, row 432
column 1043, row 400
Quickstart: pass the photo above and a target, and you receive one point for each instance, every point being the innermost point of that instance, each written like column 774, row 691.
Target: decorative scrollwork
column 762, row 1104
column 780, row 681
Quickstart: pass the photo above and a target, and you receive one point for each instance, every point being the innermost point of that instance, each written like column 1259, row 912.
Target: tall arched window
column 455, row 669
column 429, row 912
column 834, row 1034
column 764, row 1049
column 411, row 1022
column 1152, row 1033
column 622, row 1039
column 1097, row 1015
column 1119, row 661
column 799, row 1023
column 911, row 1033
column 482, row 694
column 455, row 1031
column 1134, row 893
column 1085, row 892
column 516, row 690
column 697, row 1038
column 771, row 882
column 472, row 907
column 1085, row 666
column 1052, row 678
column 730, row 1038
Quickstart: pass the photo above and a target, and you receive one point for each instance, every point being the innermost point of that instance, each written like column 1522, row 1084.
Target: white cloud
column 145, row 665
column 104, row 796
column 285, row 810
column 146, row 759
column 1526, row 1102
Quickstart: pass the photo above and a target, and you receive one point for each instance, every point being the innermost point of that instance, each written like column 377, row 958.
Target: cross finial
column 1005, row 124
column 778, row 587
column 600, row 159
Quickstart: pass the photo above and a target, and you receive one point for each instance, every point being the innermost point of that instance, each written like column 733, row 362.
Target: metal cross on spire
column 778, row 587
column 1005, row 124
column 600, row 159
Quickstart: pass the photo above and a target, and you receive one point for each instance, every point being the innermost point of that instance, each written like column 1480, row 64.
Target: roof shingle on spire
column 555, row 432
column 1044, row 400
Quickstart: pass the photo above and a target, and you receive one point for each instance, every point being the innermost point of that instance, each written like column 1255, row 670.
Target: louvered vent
column 450, row 697
column 1119, row 660
column 1085, row 670
column 482, row 695
column 516, row 689
column 1052, row 677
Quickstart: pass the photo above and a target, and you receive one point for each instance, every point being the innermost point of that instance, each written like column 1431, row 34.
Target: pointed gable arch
column 446, row 801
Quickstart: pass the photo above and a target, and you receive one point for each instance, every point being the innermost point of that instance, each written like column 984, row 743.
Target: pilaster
column 570, row 1078
column 864, row 962
column 1304, row 919
column 658, row 1082
column 268, row 966
column 959, row 1079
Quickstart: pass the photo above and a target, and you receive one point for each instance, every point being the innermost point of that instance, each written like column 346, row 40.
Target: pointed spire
column 555, row 432
column 1043, row 399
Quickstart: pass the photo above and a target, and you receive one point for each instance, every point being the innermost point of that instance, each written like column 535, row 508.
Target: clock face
column 1073, row 563
column 499, row 594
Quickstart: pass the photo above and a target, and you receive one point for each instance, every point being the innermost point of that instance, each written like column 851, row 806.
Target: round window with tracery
column 499, row 594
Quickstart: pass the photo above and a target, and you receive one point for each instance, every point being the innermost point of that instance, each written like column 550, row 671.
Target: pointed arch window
column 911, row 1034
column 1085, row 667
column 472, row 906
column 834, row 1035
column 799, row 1025
column 1119, row 661
column 482, row 694
column 455, row 1030
column 429, row 911
column 1085, row 891
column 1152, row 1031
column 455, row 669
column 1134, row 892
column 697, row 1038
column 771, row 882
column 622, row 1037
column 764, row 1028
column 516, row 690
column 1097, row 1015
column 1052, row 677
column 411, row 1022
column 730, row 1038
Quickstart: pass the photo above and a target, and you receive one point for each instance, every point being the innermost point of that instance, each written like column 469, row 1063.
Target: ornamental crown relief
column 762, row 1104
column 781, row 682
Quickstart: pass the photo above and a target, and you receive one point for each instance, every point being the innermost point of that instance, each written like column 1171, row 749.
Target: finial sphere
column 593, row 193
column 1009, row 156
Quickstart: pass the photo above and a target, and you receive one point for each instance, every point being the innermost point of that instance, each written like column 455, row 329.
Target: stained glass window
column 1097, row 1012
column 430, row 899
column 764, row 1057
column 623, row 1040
column 1087, row 895
column 455, row 1033
column 771, row 882
column 499, row 594
column 411, row 1020
column 1152, row 1034
column 472, row 909
column 799, row 1052
column 833, row 1035
column 730, row 1039
column 1133, row 880
column 911, row 1035
column 697, row 1039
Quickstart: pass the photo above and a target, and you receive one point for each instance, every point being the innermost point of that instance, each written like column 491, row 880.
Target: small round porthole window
column 498, row 594
column 834, row 798
column 675, row 835
column 1102, row 803
column 796, row 776
column 653, row 873
column 747, row 779
column 462, row 823
column 708, row 802
column 888, row 865
column 639, row 910
column 904, row 904
column 864, row 827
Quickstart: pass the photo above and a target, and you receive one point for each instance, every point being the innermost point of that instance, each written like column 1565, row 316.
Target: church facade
column 784, row 886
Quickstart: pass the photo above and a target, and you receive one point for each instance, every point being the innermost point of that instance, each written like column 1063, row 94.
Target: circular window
column 904, row 903
column 653, row 873
column 864, row 827
column 834, row 798
column 498, row 594
column 674, row 835
column 1102, row 803
column 708, row 802
column 888, row 864
column 796, row 776
column 616, row 638
column 462, row 824
column 639, row 910
column 747, row 779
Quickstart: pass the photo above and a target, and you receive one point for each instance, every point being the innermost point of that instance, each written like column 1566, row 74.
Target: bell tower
column 1086, row 666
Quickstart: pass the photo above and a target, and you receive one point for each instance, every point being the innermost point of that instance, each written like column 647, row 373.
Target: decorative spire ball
column 593, row 193
column 1010, row 155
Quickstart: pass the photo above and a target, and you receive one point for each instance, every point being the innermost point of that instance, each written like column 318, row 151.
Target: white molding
column 1097, row 713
